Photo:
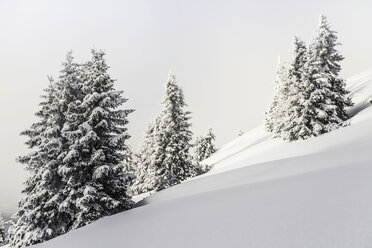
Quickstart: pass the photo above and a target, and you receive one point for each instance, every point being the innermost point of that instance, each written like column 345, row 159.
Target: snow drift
column 260, row 193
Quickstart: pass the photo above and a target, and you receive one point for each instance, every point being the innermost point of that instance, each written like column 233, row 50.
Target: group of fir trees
column 80, row 165
column 164, row 159
column 310, row 97
column 76, row 163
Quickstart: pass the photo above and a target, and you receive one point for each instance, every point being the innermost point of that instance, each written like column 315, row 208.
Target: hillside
column 260, row 193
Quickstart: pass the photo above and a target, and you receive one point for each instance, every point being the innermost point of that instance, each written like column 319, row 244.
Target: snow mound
column 260, row 193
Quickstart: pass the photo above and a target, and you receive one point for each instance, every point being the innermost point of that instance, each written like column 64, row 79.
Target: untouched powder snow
column 260, row 193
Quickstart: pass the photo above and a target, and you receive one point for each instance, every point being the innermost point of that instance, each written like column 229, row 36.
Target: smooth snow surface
column 260, row 193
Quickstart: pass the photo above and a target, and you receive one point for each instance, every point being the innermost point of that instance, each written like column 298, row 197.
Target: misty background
column 224, row 55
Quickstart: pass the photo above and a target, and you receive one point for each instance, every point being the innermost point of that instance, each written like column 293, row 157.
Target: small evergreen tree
column 204, row 146
column 276, row 110
column 2, row 232
column 240, row 133
column 129, row 167
column 147, row 178
column 96, row 184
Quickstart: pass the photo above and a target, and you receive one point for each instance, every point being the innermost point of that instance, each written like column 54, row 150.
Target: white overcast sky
column 223, row 53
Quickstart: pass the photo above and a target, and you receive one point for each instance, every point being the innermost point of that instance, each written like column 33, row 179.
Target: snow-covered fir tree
column 287, row 125
column 324, row 95
column 173, row 138
column 276, row 110
column 96, row 184
column 2, row 232
column 164, row 157
column 76, row 174
column 39, row 215
column 147, row 178
column 204, row 146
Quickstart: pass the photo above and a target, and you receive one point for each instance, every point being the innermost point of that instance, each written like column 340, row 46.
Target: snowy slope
column 260, row 193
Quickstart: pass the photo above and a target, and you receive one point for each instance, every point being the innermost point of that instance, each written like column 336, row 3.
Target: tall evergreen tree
column 204, row 146
column 96, row 184
column 77, row 146
column 174, row 136
column 2, row 232
column 39, row 215
column 325, row 97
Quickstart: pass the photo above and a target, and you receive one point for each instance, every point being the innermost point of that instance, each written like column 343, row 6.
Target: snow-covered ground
column 260, row 193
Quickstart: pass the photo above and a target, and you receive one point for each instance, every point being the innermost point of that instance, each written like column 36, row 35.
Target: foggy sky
column 223, row 53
